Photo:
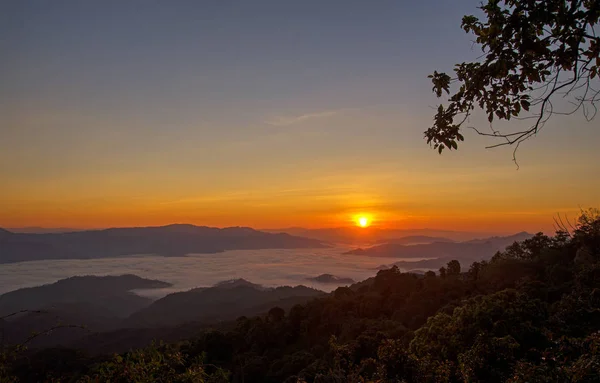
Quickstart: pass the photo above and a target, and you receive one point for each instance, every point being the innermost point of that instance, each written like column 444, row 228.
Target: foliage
column 530, row 314
column 154, row 364
column 534, row 51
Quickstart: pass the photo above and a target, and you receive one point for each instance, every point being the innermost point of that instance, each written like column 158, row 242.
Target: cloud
column 269, row 196
column 291, row 120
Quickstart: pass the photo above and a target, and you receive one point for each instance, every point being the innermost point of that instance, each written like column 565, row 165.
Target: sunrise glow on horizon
column 363, row 221
column 299, row 191
column 138, row 120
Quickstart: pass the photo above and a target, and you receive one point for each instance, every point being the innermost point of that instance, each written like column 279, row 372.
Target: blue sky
column 106, row 106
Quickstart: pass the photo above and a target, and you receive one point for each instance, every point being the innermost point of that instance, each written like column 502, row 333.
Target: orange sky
column 274, row 114
column 447, row 192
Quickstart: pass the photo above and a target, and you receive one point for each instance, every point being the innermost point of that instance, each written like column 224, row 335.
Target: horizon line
column 13, row 229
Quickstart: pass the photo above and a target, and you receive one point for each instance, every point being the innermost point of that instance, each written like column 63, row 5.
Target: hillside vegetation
column 530, row 314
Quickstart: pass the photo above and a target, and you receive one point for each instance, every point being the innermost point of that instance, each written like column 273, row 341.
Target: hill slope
column 225, row 301
column 530, row 314
column 110, row 294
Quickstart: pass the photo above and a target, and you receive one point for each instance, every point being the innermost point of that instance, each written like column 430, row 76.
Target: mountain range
column 374, row 235
column 472, row 248
column 437, row 254
column 94, row 305
column 224, row 301
column 171, row 240
column 113, row 315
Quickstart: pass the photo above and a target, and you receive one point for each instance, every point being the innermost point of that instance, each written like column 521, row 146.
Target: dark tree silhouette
column 529, row 314
column 443, row 272
column 453, row 267
column 534, row 51
column 276, row 314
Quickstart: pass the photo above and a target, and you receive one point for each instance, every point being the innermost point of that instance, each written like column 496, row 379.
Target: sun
column 363, row 221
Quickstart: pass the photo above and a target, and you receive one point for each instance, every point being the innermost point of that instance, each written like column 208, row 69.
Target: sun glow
column 363, row 221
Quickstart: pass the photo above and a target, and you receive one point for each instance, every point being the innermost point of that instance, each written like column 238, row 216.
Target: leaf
column 524, row 44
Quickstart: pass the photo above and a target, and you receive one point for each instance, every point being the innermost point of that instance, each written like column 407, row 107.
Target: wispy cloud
column 265, row 195
column 291, row 120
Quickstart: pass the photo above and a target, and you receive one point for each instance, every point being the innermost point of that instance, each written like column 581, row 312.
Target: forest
column 530, row 314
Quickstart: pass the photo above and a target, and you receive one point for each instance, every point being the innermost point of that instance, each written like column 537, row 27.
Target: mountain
column 468, row 249
column 374, row 235
column 109, row 294
column 224, row 301
column 502, row 240
column 531, row 314
column 439, row 254
column 217, row 307
column 418, row 240
column 435, row 255
column 42, row 230
column 328, row 278
column 74, row 307
column 233, row 283
column 171, row 240
column 90, row 309
column 429, row 250
column 68, row 322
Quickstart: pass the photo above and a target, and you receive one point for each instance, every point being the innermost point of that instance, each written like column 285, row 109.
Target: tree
column 453, row 267
column 534, row 51
column 443, row 272
column 474, row 270
column 154, row 364
column 276, row 314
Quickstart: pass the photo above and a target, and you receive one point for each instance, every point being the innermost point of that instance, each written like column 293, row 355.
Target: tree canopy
column 529, row 314
column 534, row 52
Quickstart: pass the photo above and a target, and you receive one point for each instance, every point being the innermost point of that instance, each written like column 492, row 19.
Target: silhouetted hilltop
column 224, row 301
column 418, row 239
column 78, row 308
column 531, row 311
column 328, row 278
column 83, row 304
column 240, row 282
column 171, row 240
column 520, row 236
column 110, row 294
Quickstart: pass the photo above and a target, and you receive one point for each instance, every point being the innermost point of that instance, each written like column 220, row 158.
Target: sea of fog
column 265, row 267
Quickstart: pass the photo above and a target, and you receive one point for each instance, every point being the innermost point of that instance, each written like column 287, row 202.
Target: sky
column 259, row 113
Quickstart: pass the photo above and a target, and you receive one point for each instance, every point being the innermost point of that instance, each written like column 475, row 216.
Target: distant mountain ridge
column 472, row 248
column 437, row 254
column 374, row 235
column 170, row 240
column 329, row 278
column 43, row 230
column 418, row 240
